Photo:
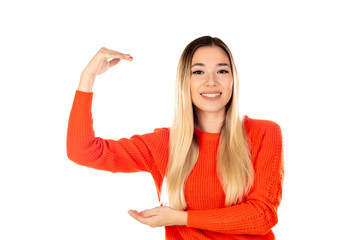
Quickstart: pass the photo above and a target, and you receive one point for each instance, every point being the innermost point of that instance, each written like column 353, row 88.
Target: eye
column 223, row 71
column 198, row 72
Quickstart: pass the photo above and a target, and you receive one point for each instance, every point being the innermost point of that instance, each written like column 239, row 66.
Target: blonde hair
column 234, row 165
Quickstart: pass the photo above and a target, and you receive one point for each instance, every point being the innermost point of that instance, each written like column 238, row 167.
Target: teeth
column 211, row 95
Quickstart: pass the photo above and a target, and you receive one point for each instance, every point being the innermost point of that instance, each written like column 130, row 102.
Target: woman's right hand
column 99, row 64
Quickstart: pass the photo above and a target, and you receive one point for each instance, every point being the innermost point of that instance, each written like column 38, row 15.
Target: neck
column 210, row 122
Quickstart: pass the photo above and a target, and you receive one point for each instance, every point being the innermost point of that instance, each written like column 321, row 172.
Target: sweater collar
column 215, row 136
column 205, row 135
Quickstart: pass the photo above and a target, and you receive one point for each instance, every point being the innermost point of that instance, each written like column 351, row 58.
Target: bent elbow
column 84, row 153
column 77, row 156
column 73, row 156
column 269, row 221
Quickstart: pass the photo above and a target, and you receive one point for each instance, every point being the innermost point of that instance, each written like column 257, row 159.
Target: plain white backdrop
column 298, row 63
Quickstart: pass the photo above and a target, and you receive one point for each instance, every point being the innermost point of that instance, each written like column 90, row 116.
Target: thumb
column 113, row 62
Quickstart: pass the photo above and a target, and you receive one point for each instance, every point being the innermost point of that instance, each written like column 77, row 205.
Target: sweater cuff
column 194, row 220
column 190, row 218
column 83, row 93
column 83, row 101
column 85, row 96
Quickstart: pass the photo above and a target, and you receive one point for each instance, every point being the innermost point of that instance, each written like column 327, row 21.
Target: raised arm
column 123, row 155
column 258, row 214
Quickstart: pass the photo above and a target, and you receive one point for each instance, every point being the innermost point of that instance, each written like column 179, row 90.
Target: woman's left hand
column 160, row 217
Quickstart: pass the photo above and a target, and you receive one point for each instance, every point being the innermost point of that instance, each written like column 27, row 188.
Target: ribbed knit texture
column 208, row 218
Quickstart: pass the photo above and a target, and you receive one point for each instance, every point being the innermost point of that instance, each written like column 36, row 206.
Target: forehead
column 210, row 54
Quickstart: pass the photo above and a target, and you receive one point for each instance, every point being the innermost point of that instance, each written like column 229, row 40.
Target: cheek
column 229, row 86
column 193, row 88
column 192, row 93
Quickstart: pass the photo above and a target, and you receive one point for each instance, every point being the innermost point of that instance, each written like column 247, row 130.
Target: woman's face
column 211, row 79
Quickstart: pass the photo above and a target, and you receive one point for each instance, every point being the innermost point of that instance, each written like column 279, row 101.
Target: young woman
column 222, row 175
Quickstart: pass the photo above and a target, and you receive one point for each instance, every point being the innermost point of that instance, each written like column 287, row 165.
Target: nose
column 211, row 80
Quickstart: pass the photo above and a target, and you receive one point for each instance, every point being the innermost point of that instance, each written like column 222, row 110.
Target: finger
column 135, row 214
column 122, row 56
column 108, row 53
column 149, row 213
column 127, row 57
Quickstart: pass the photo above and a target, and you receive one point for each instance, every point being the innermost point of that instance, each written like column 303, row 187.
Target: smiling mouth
column 210, row 95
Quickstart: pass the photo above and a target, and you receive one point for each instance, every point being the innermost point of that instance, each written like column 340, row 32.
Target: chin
column 212, row 109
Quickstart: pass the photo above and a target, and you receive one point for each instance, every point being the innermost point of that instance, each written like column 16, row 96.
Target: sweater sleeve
column 83, row 148
column 257, row 214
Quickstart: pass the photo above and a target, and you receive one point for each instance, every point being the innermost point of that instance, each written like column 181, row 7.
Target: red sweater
column 208, row 218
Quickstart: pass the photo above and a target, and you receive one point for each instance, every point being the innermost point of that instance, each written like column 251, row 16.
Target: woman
column 222, row 176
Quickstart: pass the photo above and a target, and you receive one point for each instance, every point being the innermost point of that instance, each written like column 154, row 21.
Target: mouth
column 212, row 94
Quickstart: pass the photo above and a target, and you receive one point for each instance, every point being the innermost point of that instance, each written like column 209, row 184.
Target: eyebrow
column 202, row 64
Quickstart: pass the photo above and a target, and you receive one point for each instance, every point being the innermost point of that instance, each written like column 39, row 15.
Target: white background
column 299, row 66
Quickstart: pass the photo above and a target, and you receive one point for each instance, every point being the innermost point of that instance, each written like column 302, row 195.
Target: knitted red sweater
column 208, row 218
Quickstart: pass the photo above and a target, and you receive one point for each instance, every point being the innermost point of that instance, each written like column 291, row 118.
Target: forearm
column 181, row 218
column 80, row 133
column 86, row 82
column 252, row 217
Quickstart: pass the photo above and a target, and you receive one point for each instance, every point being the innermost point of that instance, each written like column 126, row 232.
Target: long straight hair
column 234, row 166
